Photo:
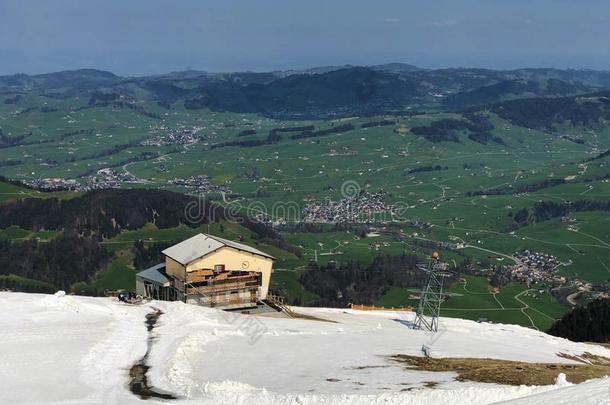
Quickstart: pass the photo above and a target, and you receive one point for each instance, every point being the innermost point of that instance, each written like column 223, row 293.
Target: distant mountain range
column 322, row 92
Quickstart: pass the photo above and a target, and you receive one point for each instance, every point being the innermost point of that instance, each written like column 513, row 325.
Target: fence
column 376, row 308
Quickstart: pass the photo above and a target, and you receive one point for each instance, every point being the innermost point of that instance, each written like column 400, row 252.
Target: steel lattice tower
column 431, row 295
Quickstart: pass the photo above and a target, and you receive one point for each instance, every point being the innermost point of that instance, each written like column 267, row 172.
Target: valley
column 481, row 180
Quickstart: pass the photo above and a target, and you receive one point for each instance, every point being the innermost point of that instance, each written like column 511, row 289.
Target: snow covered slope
column 78, row 350
column 593, row 392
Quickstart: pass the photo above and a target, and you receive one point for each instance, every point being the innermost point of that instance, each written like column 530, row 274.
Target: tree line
column 324, row 132
column 532, row 187
column 273, row 137
column 106, row 213
column 380, row 123
column 445, row 130
column 590, row 323
column 545, row 210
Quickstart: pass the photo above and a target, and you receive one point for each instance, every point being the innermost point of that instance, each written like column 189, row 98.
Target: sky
column 140, row 37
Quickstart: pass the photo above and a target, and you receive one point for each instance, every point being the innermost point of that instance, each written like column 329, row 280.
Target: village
column 108, row 178
column 542, row 268
column 364, row 207
column 535, row 267
column 198, row 184
column 181, row 136
column 102, row 179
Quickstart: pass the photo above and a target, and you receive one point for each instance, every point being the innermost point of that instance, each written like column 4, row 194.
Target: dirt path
column 498, row 301
column 517, row 261
column 525, row 306
column 572, row 297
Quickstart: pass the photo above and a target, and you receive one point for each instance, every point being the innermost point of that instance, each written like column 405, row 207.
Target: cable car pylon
column 429, row 307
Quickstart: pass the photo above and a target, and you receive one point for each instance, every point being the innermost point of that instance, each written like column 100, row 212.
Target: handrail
column 214, row 299
column 207, row 289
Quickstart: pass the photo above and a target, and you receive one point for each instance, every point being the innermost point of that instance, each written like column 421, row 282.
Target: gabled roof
column 155, row 274
column 201, row 245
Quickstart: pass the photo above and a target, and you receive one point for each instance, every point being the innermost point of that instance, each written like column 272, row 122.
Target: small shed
column 154, row 283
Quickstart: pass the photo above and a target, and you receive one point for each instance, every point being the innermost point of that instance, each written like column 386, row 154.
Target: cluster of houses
column 110, row 178
column 536, row 261
column 51, row 184
column 363, row 208
column 378, row 245
column 169, row 136
column 535, row 267
column 198, row 184
column 103, row 179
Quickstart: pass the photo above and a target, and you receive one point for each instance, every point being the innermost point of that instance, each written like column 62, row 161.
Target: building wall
column 234, row 259
column 173, row 268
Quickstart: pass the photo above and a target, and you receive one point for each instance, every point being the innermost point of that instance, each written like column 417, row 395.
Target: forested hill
column 314, row 93
column 546, row 113
column 513, row 89
column 342, row 92
column 590, row 323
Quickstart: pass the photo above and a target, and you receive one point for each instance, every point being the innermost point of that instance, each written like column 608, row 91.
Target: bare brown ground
column 296, row 316
column 311, row 317
column 512, row 372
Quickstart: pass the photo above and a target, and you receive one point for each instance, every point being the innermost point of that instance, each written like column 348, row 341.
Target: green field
column 117, row 275
column 14, row 233
column 472, row 298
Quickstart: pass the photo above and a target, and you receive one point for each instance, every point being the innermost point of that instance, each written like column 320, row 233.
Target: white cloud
column 392, row 20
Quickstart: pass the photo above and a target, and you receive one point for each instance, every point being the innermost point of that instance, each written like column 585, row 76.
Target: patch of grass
column 15, row 233
column 286, row 283
column 117, row 275
column 508, row 372
column 396, row 297
column 10, row 192
column 470, row 293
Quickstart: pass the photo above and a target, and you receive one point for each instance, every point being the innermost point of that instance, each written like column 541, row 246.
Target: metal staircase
column 278, row 302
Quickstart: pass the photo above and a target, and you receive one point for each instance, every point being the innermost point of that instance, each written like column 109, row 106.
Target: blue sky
column 136, row 37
